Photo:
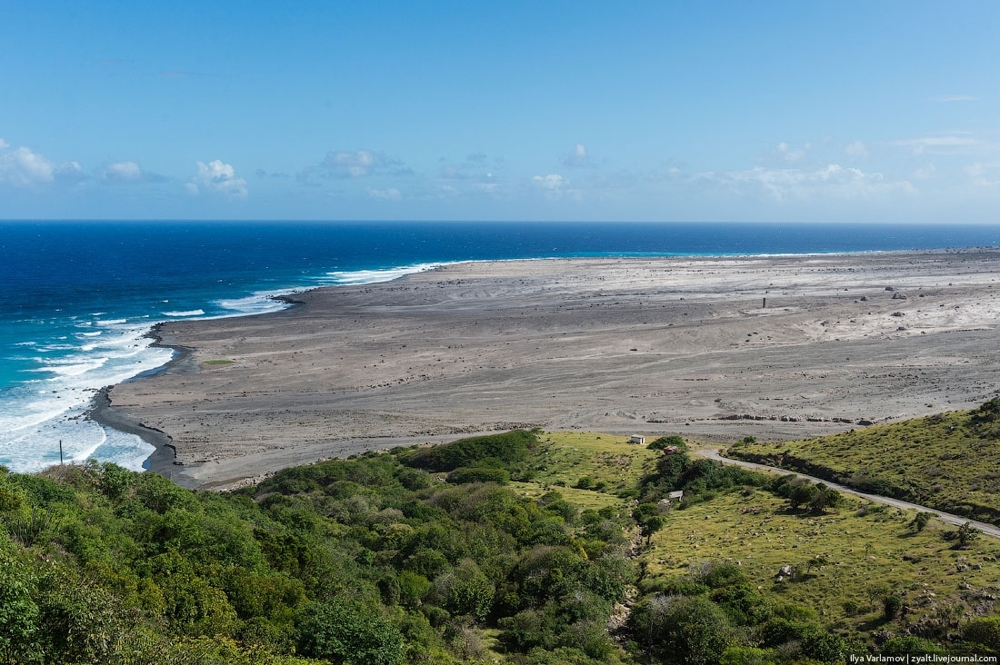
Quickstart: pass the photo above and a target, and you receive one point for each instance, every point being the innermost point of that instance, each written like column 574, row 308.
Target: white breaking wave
column 375, row 276
column 72, row 366
column 56, row 347
column 192, row 312
column 36, row 415
column 261, row 302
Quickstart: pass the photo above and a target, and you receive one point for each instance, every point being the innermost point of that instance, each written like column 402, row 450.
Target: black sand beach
column 679, row 345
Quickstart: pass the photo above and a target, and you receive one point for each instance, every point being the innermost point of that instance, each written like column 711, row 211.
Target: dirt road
column 987, row 529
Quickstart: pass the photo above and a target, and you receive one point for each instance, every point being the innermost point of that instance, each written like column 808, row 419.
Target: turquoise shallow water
column 78, row 297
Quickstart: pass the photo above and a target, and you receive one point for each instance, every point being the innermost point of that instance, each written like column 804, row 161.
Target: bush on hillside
column 464, row 475
column 668, row 441
column 353, row 633
column 494, row 450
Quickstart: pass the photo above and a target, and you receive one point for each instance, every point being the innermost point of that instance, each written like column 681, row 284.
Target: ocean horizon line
column 264, row 220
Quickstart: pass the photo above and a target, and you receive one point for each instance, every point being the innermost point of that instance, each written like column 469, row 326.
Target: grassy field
column 949, row 461
column 563, row 459
column 868, row 550
column 844, row 561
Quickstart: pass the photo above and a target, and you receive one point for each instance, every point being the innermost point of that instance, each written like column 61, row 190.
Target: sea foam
column 375, row 276
column 37, row 414
column 191, row 312
column 261, row 302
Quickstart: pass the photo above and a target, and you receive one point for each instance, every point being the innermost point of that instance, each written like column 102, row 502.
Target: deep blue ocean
column 78, row 297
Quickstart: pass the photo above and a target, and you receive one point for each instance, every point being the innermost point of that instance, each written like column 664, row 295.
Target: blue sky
column 727, row 111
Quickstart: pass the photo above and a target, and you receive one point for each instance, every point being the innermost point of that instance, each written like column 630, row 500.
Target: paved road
column 987, row 529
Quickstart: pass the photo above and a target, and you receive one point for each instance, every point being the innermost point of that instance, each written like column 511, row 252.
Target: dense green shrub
column 42, row 492
column 349, row 633
column 909, row 645
column 114, row 481
column 160, row 495
column 667, row 441
column 479, row 475
column 984, row 631
column 348, row 561
column 988, row 412
column 963, row 535
column 736, row 655
column 742, row 604
column 891, row 606
column 717, row 575
column 687, row 630
column 500, row 450
column 920, row 521
column 19, row 613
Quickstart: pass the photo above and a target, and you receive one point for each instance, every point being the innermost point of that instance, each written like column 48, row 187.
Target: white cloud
column 126, row 173
column 487, row 185
column 984, row 175
column 23, row 167
column 555, row 187
column 123, row 171
column 953, row 98
column 220, row 178
column 476, row 169
column 578, row 158
column 975, row 170
column 356, row 164
column 352, row 164
column 390, row 194
column 551, row 181
column 783, row 154
column 856, row 150
column 830, row 181
column 3, row 144
column 790, row 154
column 939, row 144
column 937, row 141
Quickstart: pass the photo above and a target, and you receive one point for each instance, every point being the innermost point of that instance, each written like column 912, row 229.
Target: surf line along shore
column 631, row 345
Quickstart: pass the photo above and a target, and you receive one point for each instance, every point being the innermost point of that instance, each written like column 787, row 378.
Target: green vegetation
column 354, row 561
column 921, row 520
column 947, row 461
column 672, row 441
column 218, row 362
column 562, row 459
column 425, row 555
column 844, row 566
column 463, row 475
column 964, row 536
column 498, row 450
